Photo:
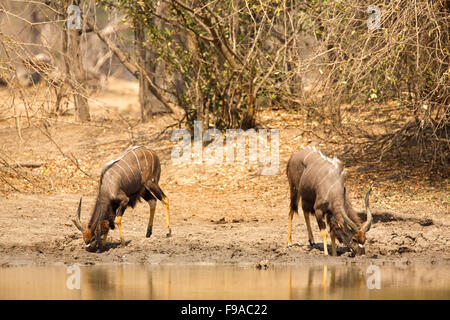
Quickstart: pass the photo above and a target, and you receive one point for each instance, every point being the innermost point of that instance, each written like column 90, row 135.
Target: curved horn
column 349, row 221
column 369, row 219
column 77, row 220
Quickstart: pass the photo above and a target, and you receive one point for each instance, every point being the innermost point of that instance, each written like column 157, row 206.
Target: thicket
column 223, row 61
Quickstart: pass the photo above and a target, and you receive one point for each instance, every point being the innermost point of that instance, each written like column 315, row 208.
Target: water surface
column 225, row 282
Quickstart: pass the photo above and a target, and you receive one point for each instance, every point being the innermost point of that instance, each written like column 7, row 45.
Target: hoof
column 296, row 244
column 89, row 249
column 169, row 234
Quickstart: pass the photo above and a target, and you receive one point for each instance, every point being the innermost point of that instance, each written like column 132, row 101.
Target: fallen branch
column 28, row 165
column 382, row 215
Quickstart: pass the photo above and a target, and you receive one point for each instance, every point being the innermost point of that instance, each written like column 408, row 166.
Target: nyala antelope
column 124, row 181
column 319, row 182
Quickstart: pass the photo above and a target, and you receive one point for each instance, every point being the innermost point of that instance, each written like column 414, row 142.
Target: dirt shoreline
column 43, row 237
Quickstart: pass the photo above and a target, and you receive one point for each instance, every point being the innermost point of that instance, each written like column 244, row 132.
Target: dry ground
column 220, row 213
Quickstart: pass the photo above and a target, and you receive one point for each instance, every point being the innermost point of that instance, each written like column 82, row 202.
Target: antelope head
column 352, row 235
column 92, row 238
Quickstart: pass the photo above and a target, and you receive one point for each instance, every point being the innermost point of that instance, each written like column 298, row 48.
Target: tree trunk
column 78, row 78
column 76, row 71
column 142, row 59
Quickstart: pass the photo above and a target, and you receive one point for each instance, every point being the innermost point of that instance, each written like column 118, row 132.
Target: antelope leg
column 118, row 222
column 165, row 201
column 152, row 204
column 291, row 215
column 119, row 213
column 308, row 226
column 103, row 239
column 323, row 230
column 333, row 244
column 324, row 237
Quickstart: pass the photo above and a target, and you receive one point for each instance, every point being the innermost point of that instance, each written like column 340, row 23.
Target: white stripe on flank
column 323, row 179
column 129, row 180
column 115, row 173
column 145, row 156
column 153, row 161
column 137, row 160
column 139, row 165
column 328, row 192
column 308, row 168
column 110, row 191
column 317, row 171
column 110, row 173
column 312, row 151
column 131, row 170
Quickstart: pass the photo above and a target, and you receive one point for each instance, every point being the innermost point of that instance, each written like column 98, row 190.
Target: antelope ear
column 322, row 205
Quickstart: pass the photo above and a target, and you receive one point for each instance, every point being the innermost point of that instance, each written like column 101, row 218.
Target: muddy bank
column 37, row 229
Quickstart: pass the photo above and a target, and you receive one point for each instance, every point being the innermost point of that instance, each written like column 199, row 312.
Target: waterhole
column 225, row 282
